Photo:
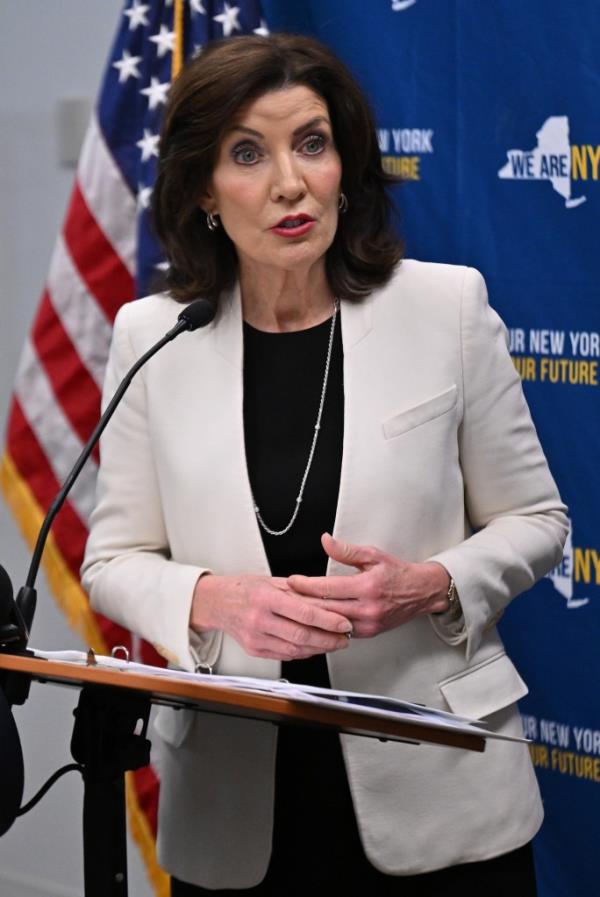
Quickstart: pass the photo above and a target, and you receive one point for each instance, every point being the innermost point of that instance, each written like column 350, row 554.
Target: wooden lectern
column 110, row 731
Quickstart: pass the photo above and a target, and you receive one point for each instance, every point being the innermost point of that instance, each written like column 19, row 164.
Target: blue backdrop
column 490, row 112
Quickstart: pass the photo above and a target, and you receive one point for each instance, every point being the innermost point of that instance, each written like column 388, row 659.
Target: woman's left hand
column 385, row 593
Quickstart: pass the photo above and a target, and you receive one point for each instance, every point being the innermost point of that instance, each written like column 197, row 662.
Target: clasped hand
column 385, row 593
column 293, row 618
column 266, row 616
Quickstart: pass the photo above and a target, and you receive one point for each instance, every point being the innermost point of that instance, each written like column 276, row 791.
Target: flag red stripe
column 73, row 385
column 113, row 634
column 31, row 462
column 149, row 655
column 68, row 530
column 99, row 266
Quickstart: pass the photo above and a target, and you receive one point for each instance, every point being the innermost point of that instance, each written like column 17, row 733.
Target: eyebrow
column 319, row 119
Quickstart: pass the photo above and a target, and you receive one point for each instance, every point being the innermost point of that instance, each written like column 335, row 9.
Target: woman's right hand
column 267, row 617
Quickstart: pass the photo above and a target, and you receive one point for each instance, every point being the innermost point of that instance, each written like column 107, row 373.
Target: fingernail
column 345, row 627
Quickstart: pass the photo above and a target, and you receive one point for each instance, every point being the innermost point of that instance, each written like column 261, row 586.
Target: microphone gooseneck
column 197, row 314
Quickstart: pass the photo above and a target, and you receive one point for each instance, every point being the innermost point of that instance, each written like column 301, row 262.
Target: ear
column 207, row 205
column 207, row 202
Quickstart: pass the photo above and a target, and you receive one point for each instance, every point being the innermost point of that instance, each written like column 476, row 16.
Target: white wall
column 49, row 49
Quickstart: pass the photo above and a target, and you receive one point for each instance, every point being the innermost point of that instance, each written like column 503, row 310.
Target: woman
column 337, row 391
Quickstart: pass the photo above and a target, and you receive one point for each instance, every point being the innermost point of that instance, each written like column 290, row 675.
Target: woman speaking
column 337, row 481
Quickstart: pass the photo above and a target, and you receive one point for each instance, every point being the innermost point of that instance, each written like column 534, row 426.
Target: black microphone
column 197, row 314
column 16, row 617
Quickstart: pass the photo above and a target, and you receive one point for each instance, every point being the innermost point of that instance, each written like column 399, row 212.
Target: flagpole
column 177, row 57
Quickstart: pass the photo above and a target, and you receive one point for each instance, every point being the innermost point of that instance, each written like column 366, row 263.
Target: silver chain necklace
column 317, row 427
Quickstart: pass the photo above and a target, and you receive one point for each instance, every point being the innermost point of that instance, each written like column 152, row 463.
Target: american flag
column 104, row 256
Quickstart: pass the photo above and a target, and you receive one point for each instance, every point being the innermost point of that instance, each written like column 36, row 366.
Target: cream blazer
column 440, row 461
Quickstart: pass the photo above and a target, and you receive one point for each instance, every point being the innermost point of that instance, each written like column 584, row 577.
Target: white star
column 137, row 15
column 128, row 66
column 196, row 6
column 162, row 266
column 156, row 93
column 148, row 145
column 197, row 50
column 229, row 19
column 164, row 40
column 263, row 30
column 143, row 197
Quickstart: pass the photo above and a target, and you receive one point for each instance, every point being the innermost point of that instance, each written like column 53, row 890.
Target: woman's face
column 277, row 181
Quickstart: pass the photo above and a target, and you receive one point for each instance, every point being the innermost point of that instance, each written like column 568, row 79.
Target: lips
column 293, row 221
column 293, row 226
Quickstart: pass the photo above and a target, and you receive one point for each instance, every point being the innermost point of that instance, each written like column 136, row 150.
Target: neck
column 277, row 300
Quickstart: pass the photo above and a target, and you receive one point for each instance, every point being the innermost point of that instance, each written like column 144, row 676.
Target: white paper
column 374, row 706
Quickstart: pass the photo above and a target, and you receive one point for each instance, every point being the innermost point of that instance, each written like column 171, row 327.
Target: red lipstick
column 293, row 225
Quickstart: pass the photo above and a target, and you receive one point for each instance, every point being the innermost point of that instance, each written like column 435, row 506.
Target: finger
column 301, row 638
column 275, row 648
column 347, row 553
column 280, row 582
column 327, row 586
column 307, row 613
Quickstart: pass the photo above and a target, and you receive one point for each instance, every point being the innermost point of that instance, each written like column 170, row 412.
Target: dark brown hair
column 204, row 100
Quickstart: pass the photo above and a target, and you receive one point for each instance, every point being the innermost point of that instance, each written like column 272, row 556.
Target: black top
column 283, row 378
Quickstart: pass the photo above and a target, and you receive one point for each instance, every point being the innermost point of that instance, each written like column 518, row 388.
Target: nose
column 288, row 181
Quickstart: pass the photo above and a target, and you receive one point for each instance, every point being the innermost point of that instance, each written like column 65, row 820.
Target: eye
column 245, row 154
column 314, row 144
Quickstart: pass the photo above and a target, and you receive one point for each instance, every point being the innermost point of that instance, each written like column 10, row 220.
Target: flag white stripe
column 80, row 314
column 107, row 195
column 60, row 444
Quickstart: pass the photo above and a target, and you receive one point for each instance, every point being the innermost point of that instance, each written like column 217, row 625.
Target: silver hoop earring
column 212, row 220
column 343, row 204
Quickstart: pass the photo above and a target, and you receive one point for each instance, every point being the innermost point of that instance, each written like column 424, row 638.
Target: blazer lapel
column 228, row 342
column 357, row 323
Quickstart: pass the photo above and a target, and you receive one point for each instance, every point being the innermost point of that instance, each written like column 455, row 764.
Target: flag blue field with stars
column 136, row 87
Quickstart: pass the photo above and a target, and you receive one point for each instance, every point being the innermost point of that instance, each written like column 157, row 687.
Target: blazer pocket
column 483, row 689
column 420, row 414
column 172, row 725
